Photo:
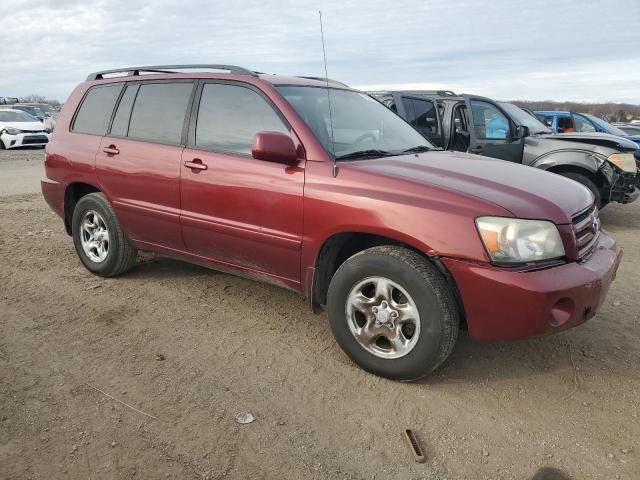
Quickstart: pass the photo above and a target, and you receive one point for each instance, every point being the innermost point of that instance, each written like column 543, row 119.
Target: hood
column 526, row 192
column 601, row 139
column 23, row 125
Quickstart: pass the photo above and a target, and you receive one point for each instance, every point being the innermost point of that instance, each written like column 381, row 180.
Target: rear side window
column 229, row 116
column 159, row 111
column 96, row 109
column 120, row 126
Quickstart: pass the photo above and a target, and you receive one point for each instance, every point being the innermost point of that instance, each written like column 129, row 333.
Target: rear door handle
column 196, row 164
column 477, row 149
column 111, row 150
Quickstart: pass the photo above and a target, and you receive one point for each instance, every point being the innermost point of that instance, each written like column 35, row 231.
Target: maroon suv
column 319, row 188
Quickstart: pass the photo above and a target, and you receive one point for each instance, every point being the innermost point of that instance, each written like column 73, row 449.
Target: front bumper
column 25, row 139
column 501, row 304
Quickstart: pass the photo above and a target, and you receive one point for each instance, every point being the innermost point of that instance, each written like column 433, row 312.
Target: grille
column 35, row 139
column 32, row 131
column 586, row 228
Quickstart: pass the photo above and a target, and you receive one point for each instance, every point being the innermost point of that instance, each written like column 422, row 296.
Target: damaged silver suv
column 603, row 163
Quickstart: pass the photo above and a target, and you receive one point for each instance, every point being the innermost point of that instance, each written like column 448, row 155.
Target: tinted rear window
column 96, row 109
column 159, row 111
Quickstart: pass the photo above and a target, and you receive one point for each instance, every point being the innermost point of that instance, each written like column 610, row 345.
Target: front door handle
column 195, row 164
column 111, row 150
column 477, row 148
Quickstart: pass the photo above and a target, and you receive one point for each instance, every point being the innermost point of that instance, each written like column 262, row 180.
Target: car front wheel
column 393, row 313
column 98, row 238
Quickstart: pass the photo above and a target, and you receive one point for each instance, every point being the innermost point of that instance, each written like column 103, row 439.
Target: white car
column 19, row 129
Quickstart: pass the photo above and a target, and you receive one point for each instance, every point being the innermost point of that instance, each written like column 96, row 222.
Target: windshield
column 35, row 111
column 523, row 118
column 607, row 127
column 15, row 116
column 361, row 125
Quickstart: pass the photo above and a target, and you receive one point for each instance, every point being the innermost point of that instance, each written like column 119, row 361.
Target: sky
column 504, row 49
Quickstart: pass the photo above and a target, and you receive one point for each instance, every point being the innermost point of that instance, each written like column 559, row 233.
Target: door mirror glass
column 521, row 132
column 274, row 147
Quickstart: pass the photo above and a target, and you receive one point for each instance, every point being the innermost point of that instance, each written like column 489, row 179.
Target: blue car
column 570, row 122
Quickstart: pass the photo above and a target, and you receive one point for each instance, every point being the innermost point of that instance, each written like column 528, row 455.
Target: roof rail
column 323, row 79
column 135, row 71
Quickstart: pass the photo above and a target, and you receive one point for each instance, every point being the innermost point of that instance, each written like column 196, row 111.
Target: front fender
column 583, row 159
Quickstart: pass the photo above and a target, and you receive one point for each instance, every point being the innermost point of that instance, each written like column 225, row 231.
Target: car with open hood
column 319, row 188
column 603, row 163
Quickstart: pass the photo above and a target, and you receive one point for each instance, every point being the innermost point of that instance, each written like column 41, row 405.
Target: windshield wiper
column 365, row 154
column 418, row 149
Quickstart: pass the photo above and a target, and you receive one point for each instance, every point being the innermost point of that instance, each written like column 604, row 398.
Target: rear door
column 492, row 131
column 240, row 212
column 422, row 114
column 138, row 163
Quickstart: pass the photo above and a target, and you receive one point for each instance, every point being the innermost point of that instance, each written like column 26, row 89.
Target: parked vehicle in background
column 254, row 174
column 630, row 129
column 570, row 122
column 19, row 129
column 467, row 123
column 44, row 112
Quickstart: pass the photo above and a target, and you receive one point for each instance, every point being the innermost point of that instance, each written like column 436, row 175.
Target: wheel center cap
column 385, row 315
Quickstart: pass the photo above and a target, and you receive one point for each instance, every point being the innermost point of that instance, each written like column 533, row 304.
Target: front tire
column 393, row 313
column 98, row 238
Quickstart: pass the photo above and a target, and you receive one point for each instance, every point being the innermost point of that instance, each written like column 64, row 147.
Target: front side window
column 489, row 123
column 96, row 109
column 582, row 125
column 229, row 116
column 357, row 123
column 159, row 111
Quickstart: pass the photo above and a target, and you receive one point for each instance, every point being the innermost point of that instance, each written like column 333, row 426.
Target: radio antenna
column 326, row 77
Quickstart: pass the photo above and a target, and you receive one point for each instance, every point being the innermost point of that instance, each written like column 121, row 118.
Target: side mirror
column 521, row 132
column 274, row 147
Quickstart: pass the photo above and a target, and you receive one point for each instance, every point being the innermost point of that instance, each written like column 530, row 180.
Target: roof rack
column 135, row 71
column 323, row 79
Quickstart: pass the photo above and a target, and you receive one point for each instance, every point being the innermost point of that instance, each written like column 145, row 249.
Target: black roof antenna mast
column 326, row 77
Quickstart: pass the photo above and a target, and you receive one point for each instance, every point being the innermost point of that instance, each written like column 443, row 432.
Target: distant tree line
column 34, row 98
column 613, row 112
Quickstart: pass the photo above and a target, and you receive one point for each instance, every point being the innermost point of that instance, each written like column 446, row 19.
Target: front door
column 237, row 211
column 491, row 131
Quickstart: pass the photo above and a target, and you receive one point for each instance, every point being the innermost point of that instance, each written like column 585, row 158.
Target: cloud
column 504, row 49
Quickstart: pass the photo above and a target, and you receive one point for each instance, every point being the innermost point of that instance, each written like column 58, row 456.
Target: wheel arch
column 336, row 249
column 72, row 195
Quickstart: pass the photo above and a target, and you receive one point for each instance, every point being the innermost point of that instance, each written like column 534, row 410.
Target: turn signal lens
column 624, row 161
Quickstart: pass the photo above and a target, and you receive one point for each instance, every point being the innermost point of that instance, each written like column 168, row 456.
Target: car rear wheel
column 393, row 313
column 587, row 182
column 98, row 237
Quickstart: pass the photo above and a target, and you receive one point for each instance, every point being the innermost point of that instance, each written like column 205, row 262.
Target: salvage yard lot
column 193, row 347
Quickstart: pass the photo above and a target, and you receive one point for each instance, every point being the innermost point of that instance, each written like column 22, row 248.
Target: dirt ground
column 190, row 348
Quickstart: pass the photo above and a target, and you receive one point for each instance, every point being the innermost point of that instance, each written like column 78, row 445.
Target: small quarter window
column 96, row 109
column 120, row 126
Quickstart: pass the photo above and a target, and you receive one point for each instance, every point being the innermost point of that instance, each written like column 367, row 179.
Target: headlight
column 12, row 131
column 511, row 241
column 624, row 161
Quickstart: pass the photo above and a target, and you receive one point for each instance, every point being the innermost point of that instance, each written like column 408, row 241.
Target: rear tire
column 587, row 182
column 98, row 237
column 403, row 335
